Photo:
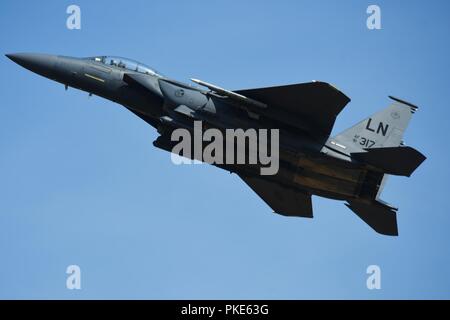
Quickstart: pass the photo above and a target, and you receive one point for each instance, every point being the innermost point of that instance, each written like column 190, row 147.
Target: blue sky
column 81, row 183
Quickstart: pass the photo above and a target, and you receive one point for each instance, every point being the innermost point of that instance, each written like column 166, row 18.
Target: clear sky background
column 81, row 183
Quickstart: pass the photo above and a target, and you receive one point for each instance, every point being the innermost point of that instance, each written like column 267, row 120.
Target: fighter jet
column 351, row 166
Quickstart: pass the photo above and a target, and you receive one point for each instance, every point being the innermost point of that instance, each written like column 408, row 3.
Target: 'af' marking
column 383, row 128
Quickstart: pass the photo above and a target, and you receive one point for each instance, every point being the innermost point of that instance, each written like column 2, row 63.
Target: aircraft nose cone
column 43, row 64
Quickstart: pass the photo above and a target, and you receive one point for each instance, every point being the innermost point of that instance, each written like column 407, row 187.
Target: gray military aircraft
column 351, row 166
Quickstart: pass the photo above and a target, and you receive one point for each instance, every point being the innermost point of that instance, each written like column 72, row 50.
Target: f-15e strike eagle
column 351, row 166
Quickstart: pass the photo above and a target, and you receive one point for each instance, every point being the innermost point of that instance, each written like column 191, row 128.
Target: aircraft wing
column 282, row 200
column 313, row 105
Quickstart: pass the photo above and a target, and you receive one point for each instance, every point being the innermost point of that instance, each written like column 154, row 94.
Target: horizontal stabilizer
column 282, row 200
column 401, row 161
column 380, row 217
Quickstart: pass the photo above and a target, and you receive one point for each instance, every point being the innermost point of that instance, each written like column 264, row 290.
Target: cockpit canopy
column 126, row 64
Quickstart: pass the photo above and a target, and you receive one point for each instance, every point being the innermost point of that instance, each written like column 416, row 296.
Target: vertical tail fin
column 383, row 129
